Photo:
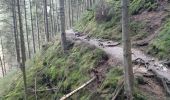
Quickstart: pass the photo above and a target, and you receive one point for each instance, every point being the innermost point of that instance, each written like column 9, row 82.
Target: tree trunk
column 129, row 78
column 77, row 9
column 69, row 13
column 51, row 18
column 26, row 26
column 46, row 21
column 16, row 32
column 2, row 68
column 22, row 66
column 32, row 27
column 37, row 19
column 3, row 57
column 54, row 18
column 72, row 12
column 62, row 19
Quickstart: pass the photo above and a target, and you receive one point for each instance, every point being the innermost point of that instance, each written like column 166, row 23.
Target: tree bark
column 2, row 68
column 38, row 30
column 32, row 27
column 17, row 47
column 26, row 26
column 22, row 66
column 46, row 21
column 69, row 13
column 127, row 61
column 3, row 57
column 62, row 19
column 51, row 18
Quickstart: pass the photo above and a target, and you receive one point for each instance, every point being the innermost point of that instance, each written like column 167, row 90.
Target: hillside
column 149, row 24
column 52, row 74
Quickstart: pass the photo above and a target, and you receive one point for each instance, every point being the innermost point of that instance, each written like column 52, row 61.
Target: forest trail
column 115, row 50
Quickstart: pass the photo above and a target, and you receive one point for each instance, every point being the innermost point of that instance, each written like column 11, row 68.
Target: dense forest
column 84, row 49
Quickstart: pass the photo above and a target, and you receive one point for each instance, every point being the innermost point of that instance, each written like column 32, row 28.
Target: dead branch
column 76, row 90
column 113, row 45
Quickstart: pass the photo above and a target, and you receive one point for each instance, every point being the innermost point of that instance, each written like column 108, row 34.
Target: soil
column 154, row 21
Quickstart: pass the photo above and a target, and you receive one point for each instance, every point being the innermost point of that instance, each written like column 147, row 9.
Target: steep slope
column 149, row 22
column 52, row 69
column 55, row 74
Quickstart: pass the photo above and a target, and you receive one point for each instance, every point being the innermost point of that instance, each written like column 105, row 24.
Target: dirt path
column 116, row 51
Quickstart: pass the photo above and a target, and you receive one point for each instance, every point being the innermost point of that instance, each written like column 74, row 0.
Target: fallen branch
column 76, row 90
column 112, row 44
column 118, row 89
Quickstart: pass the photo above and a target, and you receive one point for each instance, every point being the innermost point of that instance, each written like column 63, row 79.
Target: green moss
column 52, row 67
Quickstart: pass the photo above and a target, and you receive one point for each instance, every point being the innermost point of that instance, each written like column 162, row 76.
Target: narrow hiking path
column 115, row 50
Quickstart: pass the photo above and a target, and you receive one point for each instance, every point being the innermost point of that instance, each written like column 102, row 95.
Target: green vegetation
column 7, row 80
column 111, row 29
column 137, row 6
column 161, row 45
column 65, row 72
column 53, row 69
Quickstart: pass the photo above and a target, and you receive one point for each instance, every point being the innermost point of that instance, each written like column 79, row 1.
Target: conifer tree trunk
column 23, row 55
column 58, row 19
column 54, row 18
column 69, row 13
column 46, row 21
column 26, row 26
column 72, row 12
column 38, row 30
column 17, row 47
column 62, row 19
column 32, row 27
column 3, row 57
column 2, row 68
column 77, row 4
column 51, row 18
column 127, row 51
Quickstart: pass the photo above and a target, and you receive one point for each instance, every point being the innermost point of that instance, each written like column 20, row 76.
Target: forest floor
column 115, row 51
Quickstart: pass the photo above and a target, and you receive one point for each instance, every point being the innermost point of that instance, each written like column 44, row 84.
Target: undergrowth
column 161, row 45
column 51, row 68
column 111, row 29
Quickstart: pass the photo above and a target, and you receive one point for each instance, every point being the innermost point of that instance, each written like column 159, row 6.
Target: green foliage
column 139, row 96
column 52, row 67
column 161, row 45
column 111, row 29
column 137, row 6
column 110, row 83
column 5, row 83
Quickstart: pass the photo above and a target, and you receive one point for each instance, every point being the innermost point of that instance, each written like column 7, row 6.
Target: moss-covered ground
column 66, row 72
